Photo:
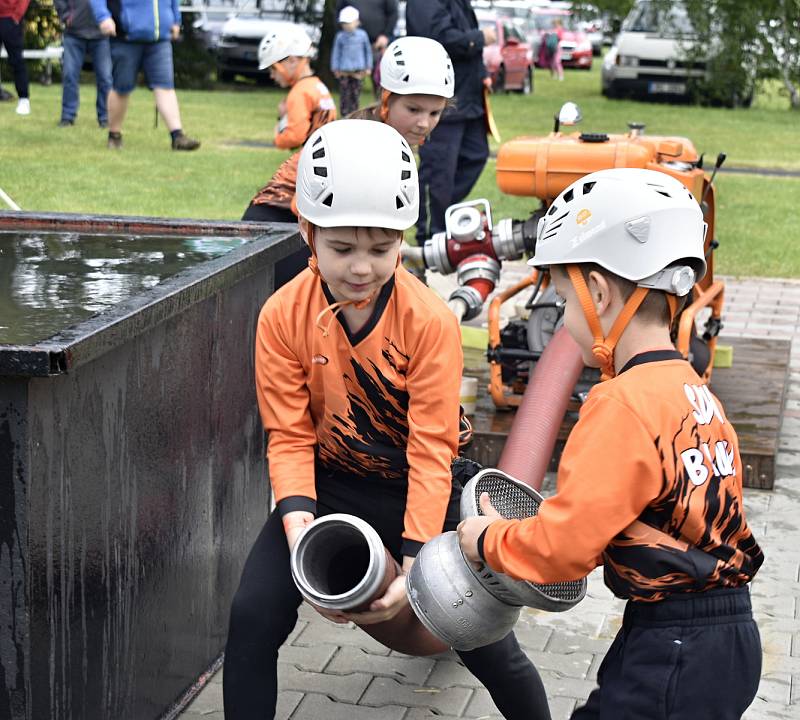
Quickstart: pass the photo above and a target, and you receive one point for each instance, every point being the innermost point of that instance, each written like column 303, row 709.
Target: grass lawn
column 46, row 168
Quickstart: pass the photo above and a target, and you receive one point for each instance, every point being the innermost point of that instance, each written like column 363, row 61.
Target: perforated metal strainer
column 515, row 500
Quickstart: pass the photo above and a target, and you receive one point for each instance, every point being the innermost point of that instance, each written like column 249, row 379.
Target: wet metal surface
column 132, row 484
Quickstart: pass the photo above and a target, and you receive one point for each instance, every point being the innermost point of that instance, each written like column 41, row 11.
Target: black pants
column 697, row 655
column 452, row 159
column 291, row 265
column 12, row 37
column 349, row 94
column 264, row 612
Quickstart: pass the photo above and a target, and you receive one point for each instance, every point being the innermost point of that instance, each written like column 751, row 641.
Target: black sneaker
column 65, row 123
column 114, row 141
column 184, row 142
column 6, row 96
column 102, row 123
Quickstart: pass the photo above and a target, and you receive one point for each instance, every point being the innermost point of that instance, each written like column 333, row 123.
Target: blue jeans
column 155, row 58
column 74, row 51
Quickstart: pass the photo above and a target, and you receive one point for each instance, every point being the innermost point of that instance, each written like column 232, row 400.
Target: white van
column 647, row 57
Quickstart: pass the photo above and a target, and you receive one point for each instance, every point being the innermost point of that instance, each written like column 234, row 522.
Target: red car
column 576, row 48
column 509, row 61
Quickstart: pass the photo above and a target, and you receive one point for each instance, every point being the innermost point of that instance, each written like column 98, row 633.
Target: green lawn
column 46, row 168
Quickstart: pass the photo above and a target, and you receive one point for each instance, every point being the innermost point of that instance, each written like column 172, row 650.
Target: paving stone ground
column 333, row 672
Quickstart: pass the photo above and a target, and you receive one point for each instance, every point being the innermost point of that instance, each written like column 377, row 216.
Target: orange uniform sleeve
column 609, row 472
column 283, row 401
column 433, row 384
column 300, row 103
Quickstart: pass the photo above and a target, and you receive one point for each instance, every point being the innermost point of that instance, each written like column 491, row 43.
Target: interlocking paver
column 401, row 667
column 481, row 706
column 342, row 688
column 313, row 658
column 288, row 700
column 386, row 691
column 566, row 647
column 320, row 707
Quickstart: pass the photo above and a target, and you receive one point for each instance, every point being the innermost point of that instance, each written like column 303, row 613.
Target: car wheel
column 527, row 83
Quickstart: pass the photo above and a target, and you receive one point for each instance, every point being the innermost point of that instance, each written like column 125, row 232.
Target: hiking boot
column 65, row 123
column 24, row 106
column 114, row 141
column 184, row 142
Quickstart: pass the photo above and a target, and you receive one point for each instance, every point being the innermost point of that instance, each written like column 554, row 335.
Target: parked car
column 576, row 49
column 237, row 50
column 509, row 61
column 649, row 56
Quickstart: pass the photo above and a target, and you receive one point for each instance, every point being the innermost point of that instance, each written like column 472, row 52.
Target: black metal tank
column 132, row 470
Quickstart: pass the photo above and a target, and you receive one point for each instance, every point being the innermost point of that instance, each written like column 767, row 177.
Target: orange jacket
column 650, row 485
column 383, row 403
column 309, row 106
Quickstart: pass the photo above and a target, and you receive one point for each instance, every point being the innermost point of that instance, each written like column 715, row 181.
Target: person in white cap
column 351, row 59
column 358, row 372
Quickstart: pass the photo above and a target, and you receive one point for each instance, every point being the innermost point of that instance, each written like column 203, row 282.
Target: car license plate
column 667, row 88
column 566, row 56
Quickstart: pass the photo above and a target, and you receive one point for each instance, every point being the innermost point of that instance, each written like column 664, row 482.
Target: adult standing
column 455, row 153
column 378, row 19
column 141, row 32
column 12, row 36
column 82, row 35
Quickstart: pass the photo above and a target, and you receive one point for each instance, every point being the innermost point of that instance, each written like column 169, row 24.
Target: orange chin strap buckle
column 383, row 113
column 603, row 347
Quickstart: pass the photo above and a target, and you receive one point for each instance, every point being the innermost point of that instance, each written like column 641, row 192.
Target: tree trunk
column 323, row 62
column 794, row 92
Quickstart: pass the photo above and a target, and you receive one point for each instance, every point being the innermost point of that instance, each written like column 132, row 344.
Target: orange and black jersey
column 380, row 404
column 649, row 485
column 309, row 106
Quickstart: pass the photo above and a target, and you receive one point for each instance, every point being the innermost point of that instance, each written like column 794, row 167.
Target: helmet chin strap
column 334, row 308
column 603, row 347
column 301, row 67
column 383, row 112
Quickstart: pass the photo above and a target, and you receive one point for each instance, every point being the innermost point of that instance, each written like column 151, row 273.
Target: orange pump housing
column 545, row 166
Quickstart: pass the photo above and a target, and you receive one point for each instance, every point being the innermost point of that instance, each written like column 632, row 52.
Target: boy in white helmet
column 650, row 482
column 308, row 106
column 417, row 81
column 358, row 370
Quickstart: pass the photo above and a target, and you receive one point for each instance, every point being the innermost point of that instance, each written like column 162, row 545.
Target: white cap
column 358, row 173
column 348, row 14
column 417, row 65
column 632, row 222
column 278, row 45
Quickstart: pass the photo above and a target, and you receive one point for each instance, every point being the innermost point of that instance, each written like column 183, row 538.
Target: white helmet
column 417, row 65
column 278, row 45
column 357, row 173
column 635, row 223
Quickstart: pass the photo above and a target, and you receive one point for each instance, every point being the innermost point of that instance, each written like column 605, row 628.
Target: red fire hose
column 533, row 434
